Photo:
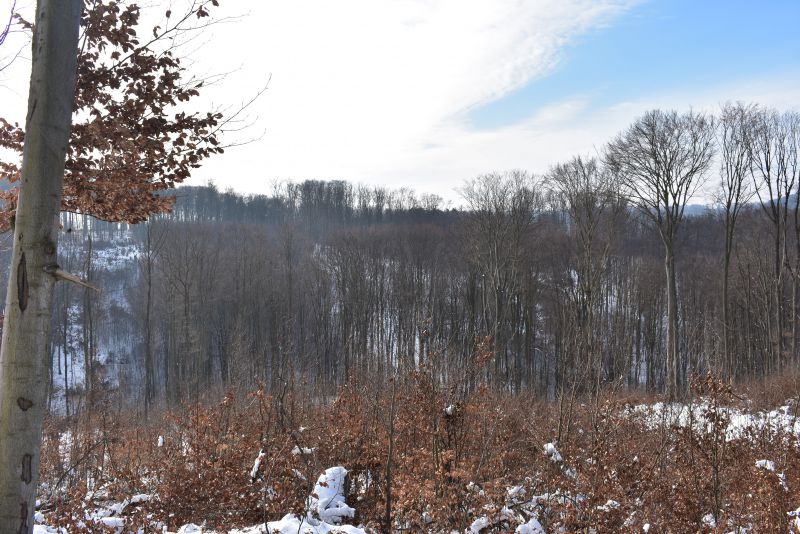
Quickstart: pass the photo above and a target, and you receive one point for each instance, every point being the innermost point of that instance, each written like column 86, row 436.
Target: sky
column 429, row 93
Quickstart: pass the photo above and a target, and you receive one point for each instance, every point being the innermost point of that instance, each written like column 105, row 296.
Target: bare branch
column 5, row 31
column 60, row 274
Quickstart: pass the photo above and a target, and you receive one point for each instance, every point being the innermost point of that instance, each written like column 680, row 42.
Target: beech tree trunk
column 672, row 325
column 24, row 354
column 727, row 360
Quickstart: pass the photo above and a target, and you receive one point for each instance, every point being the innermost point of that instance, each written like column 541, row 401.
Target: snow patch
column 608, row 506
column 328, row 500
column 531, row 527
column 769, row 465
column 256, row 466
column 306, row 451
column 739, row 422
column 552, row 453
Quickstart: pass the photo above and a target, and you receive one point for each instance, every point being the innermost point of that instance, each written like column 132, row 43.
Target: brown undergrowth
column 423, row 457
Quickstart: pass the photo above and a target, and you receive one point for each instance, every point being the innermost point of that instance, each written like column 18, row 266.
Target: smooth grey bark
column 24, row 355
column 672, row 322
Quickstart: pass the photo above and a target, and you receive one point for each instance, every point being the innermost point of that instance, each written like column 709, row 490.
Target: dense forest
column 558, row 281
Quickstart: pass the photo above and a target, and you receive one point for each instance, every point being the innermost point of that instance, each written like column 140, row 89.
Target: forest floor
column 413, row 456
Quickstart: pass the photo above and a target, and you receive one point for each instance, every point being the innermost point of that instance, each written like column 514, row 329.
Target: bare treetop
column 735, row 132
column 585, row 185
column 775, row 147
column 661, row 161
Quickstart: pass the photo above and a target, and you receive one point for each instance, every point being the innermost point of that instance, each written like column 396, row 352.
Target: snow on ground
column 326, row 507
column 121, row 254
column 291, row 524
column 531, row 527
column 552, row 453
column 328, row 500
column 110, row 337
column 740, row 422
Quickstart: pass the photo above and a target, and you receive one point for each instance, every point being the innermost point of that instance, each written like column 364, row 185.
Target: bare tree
column 774, row 183
column 24, row 355
column 591, row 196
column 661, row 161
column 792, row 120
column 735, row 131
column 502, row 207
column 153, row 241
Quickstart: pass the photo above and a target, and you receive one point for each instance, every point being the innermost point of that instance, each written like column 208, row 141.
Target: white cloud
column 563, row 129
column 365, row 88
column 377, row 91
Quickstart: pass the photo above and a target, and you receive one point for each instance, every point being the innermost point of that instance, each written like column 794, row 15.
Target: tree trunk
column 28, row 310
column 149, row 368
column 795, row 299
column 88, row 328
column 778, row 290
column 726, row 356
column 672, row 325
